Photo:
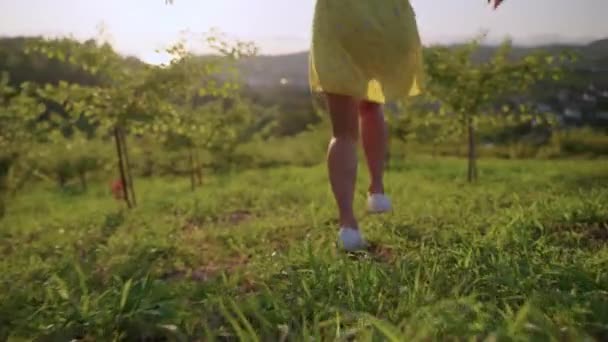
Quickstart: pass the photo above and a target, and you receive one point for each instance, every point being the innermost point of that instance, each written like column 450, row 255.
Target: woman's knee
column 343, row 112
column 370, row 110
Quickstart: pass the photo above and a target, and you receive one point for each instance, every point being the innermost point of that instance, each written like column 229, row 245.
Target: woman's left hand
column 496, row 3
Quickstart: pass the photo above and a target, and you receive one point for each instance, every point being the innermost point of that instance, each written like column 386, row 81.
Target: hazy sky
column 139, row 27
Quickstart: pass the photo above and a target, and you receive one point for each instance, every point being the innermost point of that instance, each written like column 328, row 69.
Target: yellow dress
column 368, row 49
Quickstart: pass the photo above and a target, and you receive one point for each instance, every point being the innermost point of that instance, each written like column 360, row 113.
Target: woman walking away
column 363, row 54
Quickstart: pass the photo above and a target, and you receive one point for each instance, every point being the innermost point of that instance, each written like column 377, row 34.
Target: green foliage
column 583, row 142
column 468, row 89
column 189, row 101
column 74, row 158
column 465, row 95
column 414, row 121
column 20, row 111
column 521, row 256
column 252, row 256
column 307, row 148
column 35, row 68
column 135, row 97
column 453, row 73
column 210, row 115
column 19, row 114
column 126, row 97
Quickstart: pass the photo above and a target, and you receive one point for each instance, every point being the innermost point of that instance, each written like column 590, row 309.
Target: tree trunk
column 148, row 170
column 121, row 166
column 5, row 166
column 388, row 156
column 60, row 180
column 472, row 153
column 83, row 180
column 192, row 169
column 2, row 204
column 199, row 170
column 17, row 184
column 128, row 167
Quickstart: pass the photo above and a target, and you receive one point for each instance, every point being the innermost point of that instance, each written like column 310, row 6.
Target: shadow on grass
column 586, row 182
column 580, row 235
column 375, row 251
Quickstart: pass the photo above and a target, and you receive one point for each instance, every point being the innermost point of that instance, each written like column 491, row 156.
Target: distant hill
column 597, row 50
column 281, row 81
column 268, row 71
column 40, row 69
column 264, row 71
column 36, row 68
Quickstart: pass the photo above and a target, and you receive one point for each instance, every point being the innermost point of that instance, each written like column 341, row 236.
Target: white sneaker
column 378, row 203
column 352, row 240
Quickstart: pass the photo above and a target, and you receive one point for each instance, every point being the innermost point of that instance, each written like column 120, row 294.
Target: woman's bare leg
column 342, row 155
column 375, row 140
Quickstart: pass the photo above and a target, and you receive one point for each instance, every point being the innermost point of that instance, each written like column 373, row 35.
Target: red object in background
column 117, row 189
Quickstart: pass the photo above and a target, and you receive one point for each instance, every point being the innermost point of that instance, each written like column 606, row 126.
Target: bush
column 5, row 165
column 66, row 161
column 585, row 141
column 304, row 149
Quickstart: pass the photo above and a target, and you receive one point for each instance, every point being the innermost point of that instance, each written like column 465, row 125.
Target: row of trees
column 469, row 94
column 195, row 103
column 191, row 102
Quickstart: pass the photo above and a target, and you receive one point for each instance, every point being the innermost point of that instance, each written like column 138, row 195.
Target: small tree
column 65, row 158
column 132, row 98
column 20, row 111
column 467, row 88
column 420, row 121
column 122, row 100
column 129, row 98
column 204, row 95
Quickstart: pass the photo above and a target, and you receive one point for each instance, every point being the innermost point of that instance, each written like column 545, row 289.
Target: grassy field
column 521, row 255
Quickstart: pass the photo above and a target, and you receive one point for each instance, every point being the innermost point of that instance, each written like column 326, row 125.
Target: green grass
column 519, row 256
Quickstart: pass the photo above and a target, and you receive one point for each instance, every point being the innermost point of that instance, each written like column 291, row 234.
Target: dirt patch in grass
column 249, row 285
column 237, row 216
column 382, row 253
column 599, row 232
column 6, row 248
column 377, row 252
column 590, row 233
column 592, row 230
column 231, row 218
column 208, row 271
